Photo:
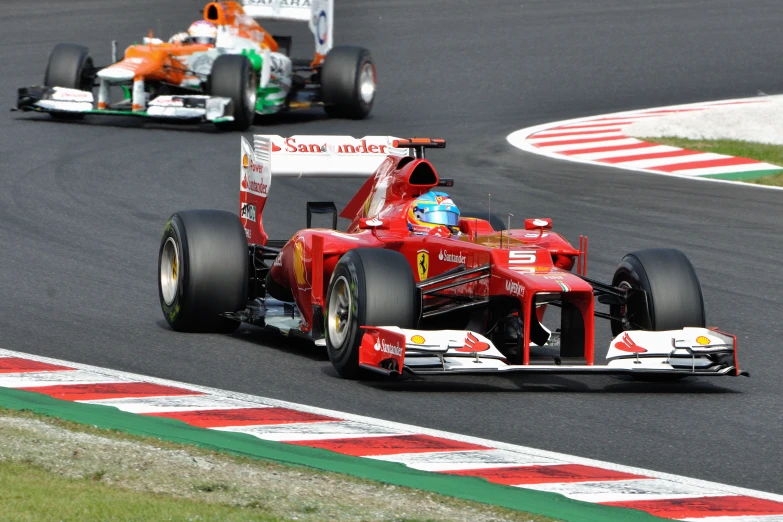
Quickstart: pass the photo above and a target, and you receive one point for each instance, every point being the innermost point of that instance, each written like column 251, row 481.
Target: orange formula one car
column 414, row 286
column 225, row 69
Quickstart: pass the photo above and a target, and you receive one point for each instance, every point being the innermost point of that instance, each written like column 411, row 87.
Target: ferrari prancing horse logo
column 422, row 264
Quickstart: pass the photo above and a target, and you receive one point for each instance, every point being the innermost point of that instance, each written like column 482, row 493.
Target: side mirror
column 367, row 223
column 538, row 223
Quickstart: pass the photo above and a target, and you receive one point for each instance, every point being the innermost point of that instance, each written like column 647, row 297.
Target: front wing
column 186, row 108
column 687, row 352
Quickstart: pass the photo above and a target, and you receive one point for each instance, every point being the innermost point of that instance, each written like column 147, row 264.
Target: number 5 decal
column 521, row 257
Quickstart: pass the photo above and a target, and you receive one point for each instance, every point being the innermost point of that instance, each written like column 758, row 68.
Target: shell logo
column 245, row 161
column 702, row 340
column 299, row 264
column 417, row 339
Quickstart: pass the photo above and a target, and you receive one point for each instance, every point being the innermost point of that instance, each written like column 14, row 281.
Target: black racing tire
column 673, row 292
column 494, row 219
column 69, row 66
column 233, row 77
column 348, row 82
column 209, row 275
column 381, row 292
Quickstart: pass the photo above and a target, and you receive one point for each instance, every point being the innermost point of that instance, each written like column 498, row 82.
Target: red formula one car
column 412, row 286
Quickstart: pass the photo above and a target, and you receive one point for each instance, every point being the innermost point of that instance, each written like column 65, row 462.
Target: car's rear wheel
column 369, row 287
column 672, row 297
column 69, row 66
column 233, row 77
column 202, row 270
column 348, row 82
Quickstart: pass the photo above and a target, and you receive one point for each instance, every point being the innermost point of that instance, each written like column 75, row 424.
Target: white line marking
column 569, row 136
column 54, row 378
column 462, row 460
column 623, row 153
column 624, row 490
column 176, row 403
column 314, row 431
column 729, row 168
column 398, row 428
column 591, row 145
column 662, row 162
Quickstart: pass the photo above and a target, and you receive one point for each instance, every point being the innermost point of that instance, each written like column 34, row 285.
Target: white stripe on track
column 623, row 490
column 174, row 404
column 593, row 144
column 622, row 153
column 729, row 168
column 320, row 430
column 548, row 139
column 55, row 378
column 462, row 460
column 392, row 428
column 752, row 518
column 662, row 162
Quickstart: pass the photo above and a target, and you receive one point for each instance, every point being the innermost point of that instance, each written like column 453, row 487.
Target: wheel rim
column 169, row 271
column 339, row 312
column 250, row 93
column 367, row 83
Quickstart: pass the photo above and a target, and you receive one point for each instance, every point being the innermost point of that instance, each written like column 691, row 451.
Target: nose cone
column 117, row 73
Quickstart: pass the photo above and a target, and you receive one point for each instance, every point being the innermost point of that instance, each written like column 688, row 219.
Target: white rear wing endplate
column 326, row 156
column 317, row 13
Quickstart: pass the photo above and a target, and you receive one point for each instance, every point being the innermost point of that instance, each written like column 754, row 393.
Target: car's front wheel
column 671, row 296
column 233, row 77
column 369, row 287
column 69, row 66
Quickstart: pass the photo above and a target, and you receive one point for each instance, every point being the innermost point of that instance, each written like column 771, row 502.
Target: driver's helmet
column 203, row 32
column 432, row 210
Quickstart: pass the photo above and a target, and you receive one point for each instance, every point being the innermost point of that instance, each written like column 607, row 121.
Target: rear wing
column 317, row 13
column 303, row 157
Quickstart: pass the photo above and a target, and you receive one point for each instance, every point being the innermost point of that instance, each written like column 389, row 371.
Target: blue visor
column 441, row 217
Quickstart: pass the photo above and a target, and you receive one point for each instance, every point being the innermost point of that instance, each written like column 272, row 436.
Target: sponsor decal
column 515, row 289
column 257, row 187
column 374, row 222
column 300, row 271
column 417, row 339
column 345, row 148
column 248, row 233
column 521, row 257
column 626, row 344
column 391, row 349
column 321, row 27
column 702, row 340
column 472, row 344
column 445, row 255
column 540, row 222
column 279, row 259
column 245, row 161
column 422, row 264
column 536, row 234
column 167, row 101
column 248, row 211
column 62, row 94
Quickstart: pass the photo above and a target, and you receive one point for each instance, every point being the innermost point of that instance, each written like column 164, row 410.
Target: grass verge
column 52, row 469
column 744, row 149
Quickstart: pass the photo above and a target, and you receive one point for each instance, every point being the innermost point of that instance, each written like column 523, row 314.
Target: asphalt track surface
column 82, row 207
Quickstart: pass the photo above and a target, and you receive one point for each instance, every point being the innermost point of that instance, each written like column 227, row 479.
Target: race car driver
column 435, row 214
column 199, row 32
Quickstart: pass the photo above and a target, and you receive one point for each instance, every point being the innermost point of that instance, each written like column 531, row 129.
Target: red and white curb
column 601, row 140
column 661, row 494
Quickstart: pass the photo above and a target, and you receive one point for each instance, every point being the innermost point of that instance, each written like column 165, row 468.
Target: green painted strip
column 468, row 488
column 748, row 174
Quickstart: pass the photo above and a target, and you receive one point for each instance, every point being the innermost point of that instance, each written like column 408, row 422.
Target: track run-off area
column 82, row 207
